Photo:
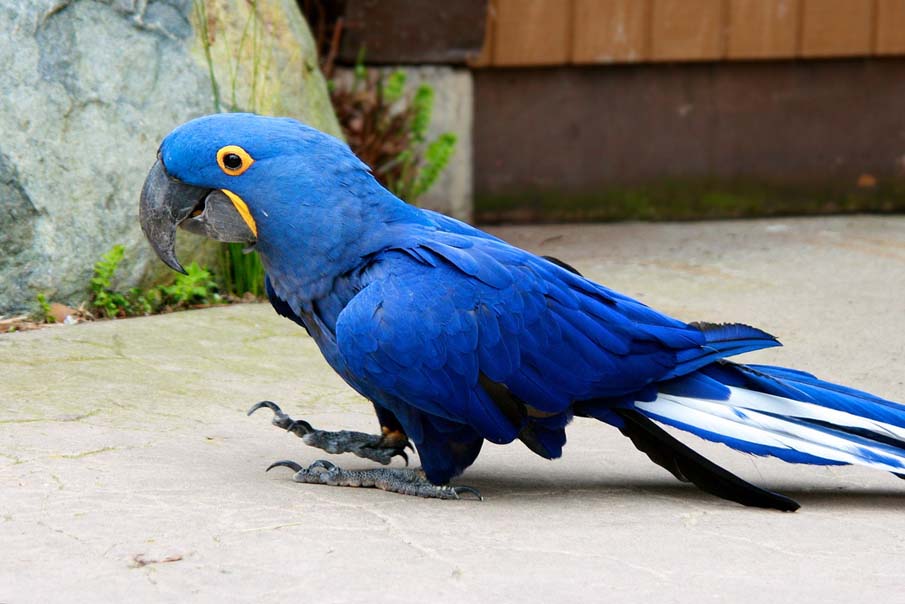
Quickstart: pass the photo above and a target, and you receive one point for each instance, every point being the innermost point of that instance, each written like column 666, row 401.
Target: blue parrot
column 457, row 337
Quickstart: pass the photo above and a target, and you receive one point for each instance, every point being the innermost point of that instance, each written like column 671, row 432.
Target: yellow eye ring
column 234, row 160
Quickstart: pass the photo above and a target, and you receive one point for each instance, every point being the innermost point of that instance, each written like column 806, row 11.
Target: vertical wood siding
column 558, row 32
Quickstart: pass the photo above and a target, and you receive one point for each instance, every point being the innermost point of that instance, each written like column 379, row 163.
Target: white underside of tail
column 750, row 416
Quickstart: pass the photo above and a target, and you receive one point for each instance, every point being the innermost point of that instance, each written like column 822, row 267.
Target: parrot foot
column 395, row 480
column 376, row 447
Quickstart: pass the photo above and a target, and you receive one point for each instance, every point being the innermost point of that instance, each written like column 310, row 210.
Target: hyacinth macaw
column 457, row 337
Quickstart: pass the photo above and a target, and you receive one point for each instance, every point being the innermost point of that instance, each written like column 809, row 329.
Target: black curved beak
column 167, row 203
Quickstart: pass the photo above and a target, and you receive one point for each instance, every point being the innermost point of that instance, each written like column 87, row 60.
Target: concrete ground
column 129, row 471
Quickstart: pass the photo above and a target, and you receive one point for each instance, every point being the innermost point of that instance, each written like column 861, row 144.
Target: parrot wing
column 481, row 333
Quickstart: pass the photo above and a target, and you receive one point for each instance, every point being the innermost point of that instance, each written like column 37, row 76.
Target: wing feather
column 422, row 333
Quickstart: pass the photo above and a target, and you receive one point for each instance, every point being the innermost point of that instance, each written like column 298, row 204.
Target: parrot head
column 244, row 178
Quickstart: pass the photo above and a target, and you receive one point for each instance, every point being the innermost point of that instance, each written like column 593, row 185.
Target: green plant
column 106, row 301
column 197, row 286
column 46, row 316
column 194, row 288
column 436, row 157
column 422, row 108
column 388, row 129
column 393, row 87
column 241, row 273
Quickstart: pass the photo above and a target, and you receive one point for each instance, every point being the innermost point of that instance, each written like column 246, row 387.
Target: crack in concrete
column 273, row 527
column 395, row 530
column 56, row 479
column 15, row 459
column 32, row 420
column 62, row 532
column 82, row 454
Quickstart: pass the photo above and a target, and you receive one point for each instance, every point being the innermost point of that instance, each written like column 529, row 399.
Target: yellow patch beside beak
column 242, row 209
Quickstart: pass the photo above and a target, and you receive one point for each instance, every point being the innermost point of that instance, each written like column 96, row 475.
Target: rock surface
column 88, row 90
column 129, row 472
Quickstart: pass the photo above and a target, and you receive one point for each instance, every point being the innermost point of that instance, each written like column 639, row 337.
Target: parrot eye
column 234, row 160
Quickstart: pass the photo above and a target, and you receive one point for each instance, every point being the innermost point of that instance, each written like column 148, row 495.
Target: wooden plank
column 395, row 32
column 609, row 31
column 686, row 30
column 531, row 32
column 762, row 29
column 836, row 28
column 890, row 27
column 485, row 57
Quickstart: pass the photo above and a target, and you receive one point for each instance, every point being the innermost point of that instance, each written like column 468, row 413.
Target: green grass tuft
column 241, row 273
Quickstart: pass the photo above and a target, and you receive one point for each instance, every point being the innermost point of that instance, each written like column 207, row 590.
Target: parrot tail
column 789, row 414
column 762, row 410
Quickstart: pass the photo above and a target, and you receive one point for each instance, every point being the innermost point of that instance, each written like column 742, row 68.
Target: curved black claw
column 401, row 453
column 299, row 427
column 269, row 404
column 285, row 463
column 459, row 491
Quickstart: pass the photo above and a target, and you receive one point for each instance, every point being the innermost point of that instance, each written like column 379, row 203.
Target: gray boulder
column 89, row 89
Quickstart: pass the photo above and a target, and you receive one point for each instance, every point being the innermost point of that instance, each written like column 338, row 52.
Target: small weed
column 384, row 127
column 241, row 273
column 388, row 130
column 436, row 158
column 105, row 300
column 194, row 288
column 45, row 316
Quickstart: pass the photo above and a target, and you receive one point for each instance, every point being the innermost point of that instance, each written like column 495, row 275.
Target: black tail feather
column 689, row 466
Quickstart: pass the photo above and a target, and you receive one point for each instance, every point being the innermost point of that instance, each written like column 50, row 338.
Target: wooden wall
column 559, row 32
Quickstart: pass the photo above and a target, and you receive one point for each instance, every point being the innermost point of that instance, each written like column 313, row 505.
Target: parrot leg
column 377, row 447
column 404, row 481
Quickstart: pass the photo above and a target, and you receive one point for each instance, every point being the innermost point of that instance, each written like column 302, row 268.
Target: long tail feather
column 785, row 413
column 689, row 466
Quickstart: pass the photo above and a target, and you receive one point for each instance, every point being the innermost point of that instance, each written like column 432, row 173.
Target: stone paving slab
column 129, row 472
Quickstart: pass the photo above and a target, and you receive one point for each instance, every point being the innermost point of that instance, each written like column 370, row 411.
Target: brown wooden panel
column 762, row 29
column 686, row 30
column 531, row 32
column 890, row 27
column 836, row 28
column 796, row 132
column 485, row 57
column 402, row 31
column 609, row 31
